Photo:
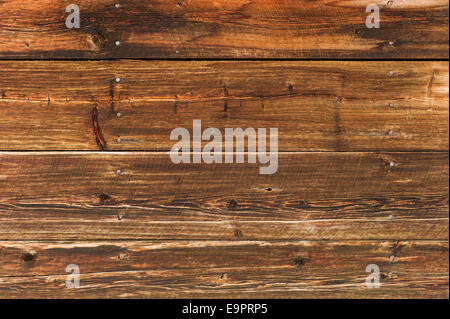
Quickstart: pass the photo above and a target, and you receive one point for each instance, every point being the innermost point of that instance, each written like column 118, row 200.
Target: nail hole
column 117, row 5
column 123, row 256
column 29, row 256
column 232, row 204
column 238, row 233
column 117, row 80
column 389, row 165
column 298, row 261
column 290, row 88
column 119, row 140
column 117, row 43
column 303, row 203
column 397, row 248
column 391, row 73
column 104, row 197
column 119, row 114
column 269, row 189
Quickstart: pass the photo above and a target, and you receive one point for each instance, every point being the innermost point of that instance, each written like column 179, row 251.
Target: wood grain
column 313, row 196
column 86, row 178
column 299, row 29
column 224, row 269
column 317, row 106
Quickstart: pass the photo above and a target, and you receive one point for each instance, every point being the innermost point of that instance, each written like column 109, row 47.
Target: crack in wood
column 97, row 131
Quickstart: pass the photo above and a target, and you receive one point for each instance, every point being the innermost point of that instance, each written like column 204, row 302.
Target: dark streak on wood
column 225, row 101
column 97, row 131
column 430, row 84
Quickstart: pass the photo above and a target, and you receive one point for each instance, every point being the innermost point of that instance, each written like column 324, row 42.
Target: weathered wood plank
column 223, row 29
column 414, row 269
column 317, row 106
column 337, row 229
column 313, row 196
column 189, row 284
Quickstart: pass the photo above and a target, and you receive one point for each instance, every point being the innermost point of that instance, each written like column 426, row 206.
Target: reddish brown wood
column 295, row 29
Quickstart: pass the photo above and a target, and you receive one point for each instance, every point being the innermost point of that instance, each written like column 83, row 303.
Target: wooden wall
column 86, row 178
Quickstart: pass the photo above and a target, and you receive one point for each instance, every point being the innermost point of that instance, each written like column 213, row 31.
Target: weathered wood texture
column 313, row 196
column 85, row 177
column 298, row 29
column 317, row 106
column 224, row 269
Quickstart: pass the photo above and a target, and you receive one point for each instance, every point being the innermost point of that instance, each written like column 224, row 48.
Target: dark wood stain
column 97, row 131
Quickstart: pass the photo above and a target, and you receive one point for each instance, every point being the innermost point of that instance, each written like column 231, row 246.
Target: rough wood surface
column 317, row 106
column 85, row 177
column 313, row 196
column 224, row 29
column 224, row 269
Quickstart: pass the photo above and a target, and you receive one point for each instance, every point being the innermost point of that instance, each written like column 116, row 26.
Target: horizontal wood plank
column 299, row 29
column 313, row 196
column 211, row 269
column 316, row 106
